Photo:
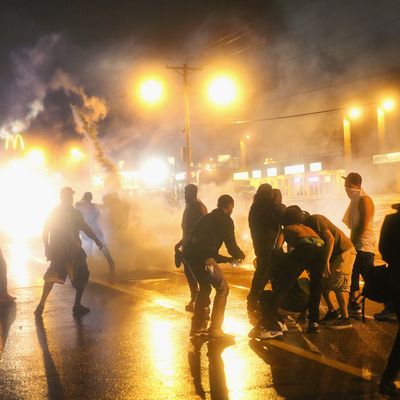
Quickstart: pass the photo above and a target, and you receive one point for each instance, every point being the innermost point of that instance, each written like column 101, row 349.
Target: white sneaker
column 283, row 326
column 269, row 334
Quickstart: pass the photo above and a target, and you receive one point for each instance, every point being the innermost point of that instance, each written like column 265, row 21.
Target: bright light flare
column 223, row 91
column 388, row 104
column 27, row 198
column 151, row 91
column 36, row 157
column 154, row 172
column 76, row 154
column 354, row 113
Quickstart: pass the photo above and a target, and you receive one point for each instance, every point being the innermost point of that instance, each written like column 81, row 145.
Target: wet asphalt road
column 134, row 344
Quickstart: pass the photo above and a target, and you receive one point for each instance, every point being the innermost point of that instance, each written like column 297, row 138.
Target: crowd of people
column 304, row 257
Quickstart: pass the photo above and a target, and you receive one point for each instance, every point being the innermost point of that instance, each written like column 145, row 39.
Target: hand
column 327, row 271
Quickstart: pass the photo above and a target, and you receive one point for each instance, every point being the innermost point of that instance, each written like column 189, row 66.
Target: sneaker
column 190, row 306
column 313, row 327
column 39, row 310
column 283, row 326
column 330, row 317
column 341, row 323
column 389, row 389
column 269, row 334
column 218, row 333
column 80, row 310
column 254, row 332
column 384, row 315
column 354, row 308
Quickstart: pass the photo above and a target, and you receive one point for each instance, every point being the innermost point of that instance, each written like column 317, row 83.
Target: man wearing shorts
column 338, row 260
column 63, row 248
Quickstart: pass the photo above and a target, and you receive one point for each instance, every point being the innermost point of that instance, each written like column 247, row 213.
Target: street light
column 222, row 91
column 353, row 113
column 151, row 91
column 386, row 105
column 76, row 154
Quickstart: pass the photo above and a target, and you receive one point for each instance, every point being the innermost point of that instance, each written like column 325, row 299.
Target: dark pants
column 304, row 257
column 393, row 364
column 261, row 276
column 3, row 274
column 364, row 260
column 209, row 276
column 191, row 280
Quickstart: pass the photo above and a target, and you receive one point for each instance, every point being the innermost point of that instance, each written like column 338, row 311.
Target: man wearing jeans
column 359, row 219
column 201, row 253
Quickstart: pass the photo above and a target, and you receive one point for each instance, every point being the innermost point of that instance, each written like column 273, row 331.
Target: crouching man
column 201, row 253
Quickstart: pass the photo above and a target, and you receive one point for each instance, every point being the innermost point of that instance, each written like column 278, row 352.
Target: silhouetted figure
column 63, row 248
column 194, row 210
column 264, row 223
column 91, row 215
column 389, row 248
column 5, row 297
column 201, row 253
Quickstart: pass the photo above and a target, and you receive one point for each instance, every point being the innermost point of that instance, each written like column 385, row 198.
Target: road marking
column 148, row 280
column 313, row 355
column 240, row 287
column 341, row 366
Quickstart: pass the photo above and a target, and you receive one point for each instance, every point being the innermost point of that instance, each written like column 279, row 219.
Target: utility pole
column 184, row 71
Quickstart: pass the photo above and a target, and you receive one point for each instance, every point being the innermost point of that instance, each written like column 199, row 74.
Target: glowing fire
column 27, row 197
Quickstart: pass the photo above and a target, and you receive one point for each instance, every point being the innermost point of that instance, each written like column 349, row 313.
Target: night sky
column 293, row 56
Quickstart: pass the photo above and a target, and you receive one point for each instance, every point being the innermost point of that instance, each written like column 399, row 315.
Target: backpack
column 376, row 286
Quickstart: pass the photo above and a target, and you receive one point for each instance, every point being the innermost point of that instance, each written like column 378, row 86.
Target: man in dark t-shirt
column 201, row 251
column 338, row 258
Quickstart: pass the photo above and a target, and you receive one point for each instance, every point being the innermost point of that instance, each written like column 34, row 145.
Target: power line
column 318, row 88
column 288, row 116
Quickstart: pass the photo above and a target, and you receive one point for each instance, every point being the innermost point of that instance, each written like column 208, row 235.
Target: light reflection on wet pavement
column 134, row 344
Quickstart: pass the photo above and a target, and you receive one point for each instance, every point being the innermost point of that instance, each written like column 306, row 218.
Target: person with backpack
column 192, row 214
column 389, row 249
column 359, row 218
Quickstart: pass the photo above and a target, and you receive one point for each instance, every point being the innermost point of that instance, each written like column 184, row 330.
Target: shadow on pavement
column 7, row 317
column 54, row 386
column 216, row 368
column 294, row 378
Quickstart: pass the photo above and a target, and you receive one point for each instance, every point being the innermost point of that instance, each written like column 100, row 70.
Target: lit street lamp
column 386, row 105
column 352, row 114
column 222, row 91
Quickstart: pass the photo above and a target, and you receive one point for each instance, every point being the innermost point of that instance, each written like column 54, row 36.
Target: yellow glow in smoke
column 26, row 200
column 76, row 154
column 223, row 91
column 154, row 172
column 151, row 91
column 354, row 113
column 388, row 104
column 36, row 157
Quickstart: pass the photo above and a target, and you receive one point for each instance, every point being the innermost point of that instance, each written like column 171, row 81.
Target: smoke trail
column 22, row 124
column 86, row 120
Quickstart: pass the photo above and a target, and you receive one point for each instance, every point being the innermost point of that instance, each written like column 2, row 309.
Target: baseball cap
column 66, row 190
column 352, row 179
